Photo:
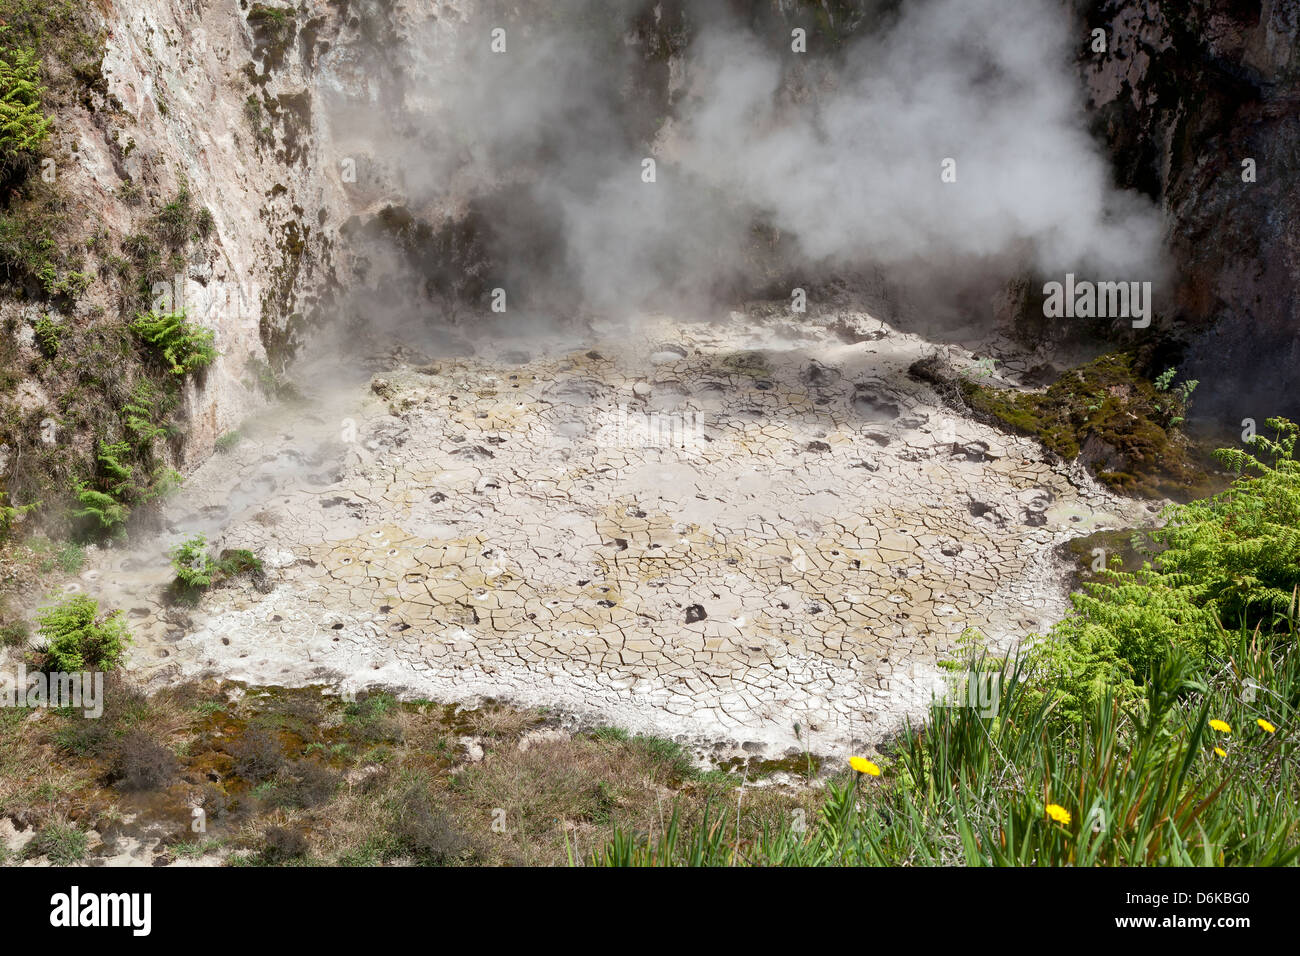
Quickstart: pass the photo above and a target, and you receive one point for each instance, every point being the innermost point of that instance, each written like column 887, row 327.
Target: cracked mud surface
column 711, row 532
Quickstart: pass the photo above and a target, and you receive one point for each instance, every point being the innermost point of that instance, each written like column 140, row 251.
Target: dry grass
column 371, row 782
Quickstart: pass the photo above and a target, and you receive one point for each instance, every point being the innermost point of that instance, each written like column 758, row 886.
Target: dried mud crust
column 710, row 532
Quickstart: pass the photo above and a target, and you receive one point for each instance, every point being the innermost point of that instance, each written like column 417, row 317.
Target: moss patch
column 1106, row 414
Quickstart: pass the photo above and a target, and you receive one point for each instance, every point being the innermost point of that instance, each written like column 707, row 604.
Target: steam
column 770, row 164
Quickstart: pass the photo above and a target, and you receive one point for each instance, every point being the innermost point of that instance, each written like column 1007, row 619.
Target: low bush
column 194, row 568
column 78, row 637
column 1229, row 561
column 143, row 763
column 281, row 844
column 258, row 754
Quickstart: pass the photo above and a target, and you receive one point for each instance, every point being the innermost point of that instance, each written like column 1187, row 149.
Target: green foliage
column 130, row 193
column 102, row 510
column 78, row 637
column 1142, row 784
column 24, row 127
column 1229, row 561
column 1177, row 399
column 141, row 411
column 72, row 284
column 48, row 335
column 1107, row 403
column 62, row 843
column 204, row 223
column 30, row 238
column 194, row 568
column 111, row 461
column 1153, row 726
column 236, row 561
column 127, row 473
column 184, row 347
column 9, row 514
column 14, row 631
column 175, row 220
column 65, row 556
column 227, row 442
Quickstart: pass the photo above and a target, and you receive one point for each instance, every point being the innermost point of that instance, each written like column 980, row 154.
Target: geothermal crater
column 746, row 532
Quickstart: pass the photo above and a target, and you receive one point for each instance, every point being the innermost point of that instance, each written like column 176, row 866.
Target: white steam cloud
column 837, row 156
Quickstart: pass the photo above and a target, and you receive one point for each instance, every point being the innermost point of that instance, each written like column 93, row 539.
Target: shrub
column 236, row 561
column 1177, row 399
column 175, row 219
column 106, row 513
column 141, row 413
column 258, row 754
column 1229, row 561
column 79, row 638
column 194, row 568
column 423, row 830
column 280, row 844
column 13, row 632
column 9, row 514
column 70, row 557
column 47, row 336
column 226, row 442
column 143, row 763
column 309, row 784
column 130, row 193
column 366, row 718
column 111, row 458
column 204, row 222
column 184, row 347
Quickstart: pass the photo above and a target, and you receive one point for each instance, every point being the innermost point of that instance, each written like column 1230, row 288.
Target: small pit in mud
column 668, row 354
column 872, row 407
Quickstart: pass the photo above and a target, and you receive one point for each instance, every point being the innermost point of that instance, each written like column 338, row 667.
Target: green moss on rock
column 1110, row 417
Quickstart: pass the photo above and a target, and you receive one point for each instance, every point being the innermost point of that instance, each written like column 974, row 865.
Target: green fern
column 78, row 637
column 194, row 567
column 23, row 126
column 184, row 347
column 1231, row 561
column 139, row 414
column 103, row 510
column 9, row 514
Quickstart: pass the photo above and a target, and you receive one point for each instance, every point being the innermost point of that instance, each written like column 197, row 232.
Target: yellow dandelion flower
column 1221, row 726
column 1058, row 813
column 863, row 765
column 1220, row 751
column 1265, row 726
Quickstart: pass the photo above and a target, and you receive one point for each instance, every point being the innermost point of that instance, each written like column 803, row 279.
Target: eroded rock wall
column 1187, row 92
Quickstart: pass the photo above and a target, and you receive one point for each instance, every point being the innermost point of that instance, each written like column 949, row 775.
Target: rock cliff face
column 190, row 165
column 217, row 96
column 1191, row 97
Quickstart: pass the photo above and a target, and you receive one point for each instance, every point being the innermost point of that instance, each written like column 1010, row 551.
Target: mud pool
column 710, row 531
